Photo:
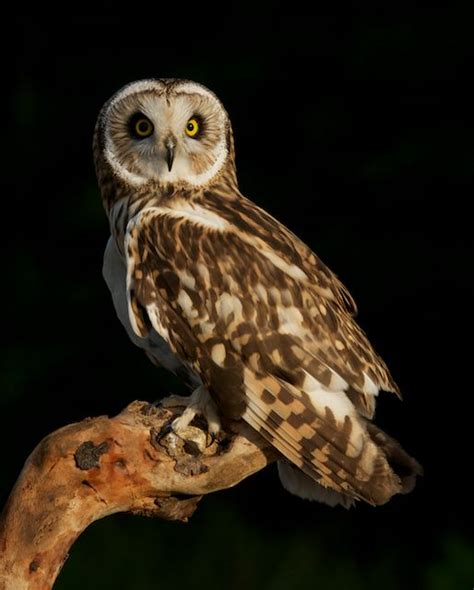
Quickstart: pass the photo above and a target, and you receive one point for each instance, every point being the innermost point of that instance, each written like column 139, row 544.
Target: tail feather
column 406, row 467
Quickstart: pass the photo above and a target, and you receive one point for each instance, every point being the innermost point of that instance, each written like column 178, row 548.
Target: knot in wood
column 88, row 455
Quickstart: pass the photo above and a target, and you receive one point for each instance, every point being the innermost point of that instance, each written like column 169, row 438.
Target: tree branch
column 129, row 463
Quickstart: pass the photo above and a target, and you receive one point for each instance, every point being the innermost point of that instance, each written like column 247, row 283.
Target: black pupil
column 143, row 127
column 190, row 126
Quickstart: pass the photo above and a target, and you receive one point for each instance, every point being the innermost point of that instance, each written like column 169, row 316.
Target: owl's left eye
column 140, row 126
column 193, row 127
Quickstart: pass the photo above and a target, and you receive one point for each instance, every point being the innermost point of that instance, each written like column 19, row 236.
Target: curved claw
column 213, row 438
column 167, row 429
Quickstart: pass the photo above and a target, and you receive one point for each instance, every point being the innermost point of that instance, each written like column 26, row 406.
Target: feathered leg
column 198, row 403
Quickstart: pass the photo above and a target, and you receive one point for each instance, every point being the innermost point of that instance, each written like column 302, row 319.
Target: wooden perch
column 130, row 463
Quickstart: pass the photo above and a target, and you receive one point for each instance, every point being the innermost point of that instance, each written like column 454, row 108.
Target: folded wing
column 270, row 332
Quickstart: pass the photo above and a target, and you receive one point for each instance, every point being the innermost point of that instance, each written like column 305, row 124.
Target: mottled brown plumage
column 244, row 306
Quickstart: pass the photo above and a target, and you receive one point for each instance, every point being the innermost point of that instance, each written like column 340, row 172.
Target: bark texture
column 130, row 463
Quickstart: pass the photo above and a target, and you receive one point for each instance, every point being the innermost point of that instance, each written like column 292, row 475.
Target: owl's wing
column 266, row 232
column 271, row 346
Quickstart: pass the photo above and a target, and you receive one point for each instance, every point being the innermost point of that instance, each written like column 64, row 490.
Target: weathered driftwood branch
column 130, row 463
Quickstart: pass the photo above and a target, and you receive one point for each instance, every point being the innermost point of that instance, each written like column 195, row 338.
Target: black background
column 354, row 128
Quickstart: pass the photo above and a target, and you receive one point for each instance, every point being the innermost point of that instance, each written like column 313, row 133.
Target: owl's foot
column 197, row 437
column 199, row 403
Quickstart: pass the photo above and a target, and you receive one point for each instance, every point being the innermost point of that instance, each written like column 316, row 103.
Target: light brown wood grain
column 100, row 466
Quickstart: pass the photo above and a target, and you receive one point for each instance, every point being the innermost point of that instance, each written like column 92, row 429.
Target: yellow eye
column 140, row 126
column 192, row 127
column 143, row 128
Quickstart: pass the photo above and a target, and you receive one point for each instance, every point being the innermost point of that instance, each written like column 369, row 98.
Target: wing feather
column 317, row 444
column 269, row 330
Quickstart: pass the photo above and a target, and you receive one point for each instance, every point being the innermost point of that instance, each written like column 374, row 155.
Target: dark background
column 352, row 127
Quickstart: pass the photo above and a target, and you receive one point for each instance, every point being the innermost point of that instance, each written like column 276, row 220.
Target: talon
column 200, row 405
column 167, row 428
column 213, row 438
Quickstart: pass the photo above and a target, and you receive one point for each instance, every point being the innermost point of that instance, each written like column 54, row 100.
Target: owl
column 219, row 292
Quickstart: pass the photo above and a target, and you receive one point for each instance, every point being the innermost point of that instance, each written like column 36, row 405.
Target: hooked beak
column 170, row 153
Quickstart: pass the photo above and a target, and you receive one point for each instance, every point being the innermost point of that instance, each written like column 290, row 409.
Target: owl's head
column 165, row 131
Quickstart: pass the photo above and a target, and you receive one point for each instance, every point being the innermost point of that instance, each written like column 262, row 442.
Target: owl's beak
column 170, row 153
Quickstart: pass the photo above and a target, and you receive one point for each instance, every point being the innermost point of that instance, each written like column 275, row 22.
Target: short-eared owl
column 218, row 291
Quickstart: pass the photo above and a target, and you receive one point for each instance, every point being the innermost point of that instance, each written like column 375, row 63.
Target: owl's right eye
column 140, row 126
